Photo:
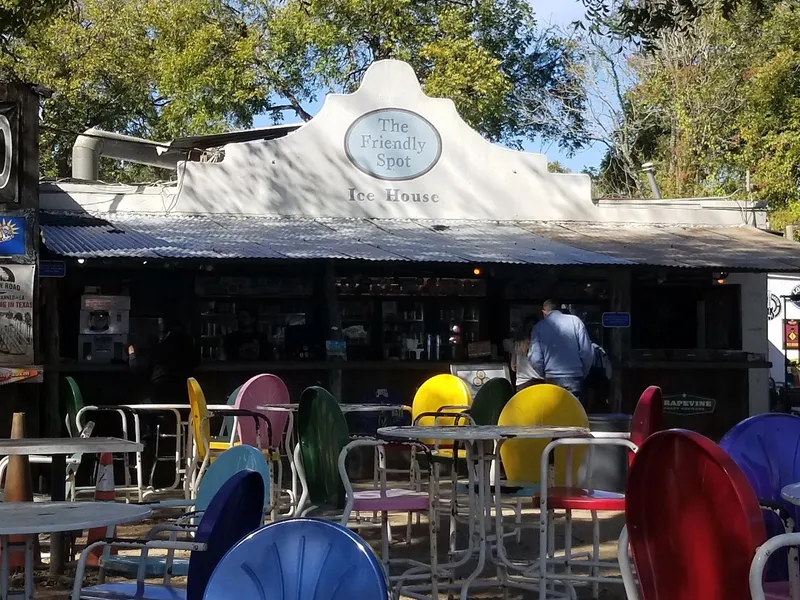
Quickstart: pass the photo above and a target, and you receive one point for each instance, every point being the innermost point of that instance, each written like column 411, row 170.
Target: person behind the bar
column 172, row 361
column 246, row 343
column 526, row 375
column 561, row 349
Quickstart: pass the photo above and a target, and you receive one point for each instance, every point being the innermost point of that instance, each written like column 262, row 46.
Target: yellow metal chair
column 545, row 405
column 205, row 447
column 438, row 401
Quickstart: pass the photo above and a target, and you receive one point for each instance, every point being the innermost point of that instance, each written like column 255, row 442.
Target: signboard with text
column 791, row 334
column 386, row 150
column 688, row 404
column 16, row 314
column 616, row 320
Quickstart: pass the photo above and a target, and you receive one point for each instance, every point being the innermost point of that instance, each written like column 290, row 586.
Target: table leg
column 58, row 469
column 29, row 566
column 480, row 514
column 4, row 567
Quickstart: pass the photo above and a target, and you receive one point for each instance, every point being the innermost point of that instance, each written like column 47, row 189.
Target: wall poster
column 16, row 314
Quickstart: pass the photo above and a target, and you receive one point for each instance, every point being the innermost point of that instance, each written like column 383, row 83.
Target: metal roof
column 216, row 140
column 513, row 242
column 741, row 248
column 223, row 237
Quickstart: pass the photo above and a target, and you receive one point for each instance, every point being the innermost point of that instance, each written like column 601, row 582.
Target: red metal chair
column 648, row 418
column 693, row 523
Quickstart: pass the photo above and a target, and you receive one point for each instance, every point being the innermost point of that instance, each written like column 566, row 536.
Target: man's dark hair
column 550, row 305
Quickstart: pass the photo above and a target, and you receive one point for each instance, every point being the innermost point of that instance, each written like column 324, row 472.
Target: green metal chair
column 320, row 460
column 72, row 403
column 321, row 433
column 490, row 400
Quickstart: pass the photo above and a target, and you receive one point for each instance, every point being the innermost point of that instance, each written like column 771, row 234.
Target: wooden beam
column 334, row 331
column 620, row 281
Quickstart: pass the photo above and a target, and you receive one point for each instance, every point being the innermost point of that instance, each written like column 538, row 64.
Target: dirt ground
column 611, row 524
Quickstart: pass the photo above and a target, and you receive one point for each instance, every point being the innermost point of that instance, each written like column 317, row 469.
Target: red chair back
column 693, row 520
column 258, row 390
column 648, row 417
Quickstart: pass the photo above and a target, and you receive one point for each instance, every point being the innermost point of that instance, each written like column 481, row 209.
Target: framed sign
column 791, row 334
column 16, row 314
column 688, row 404
column 13, row 235
column 475, row 375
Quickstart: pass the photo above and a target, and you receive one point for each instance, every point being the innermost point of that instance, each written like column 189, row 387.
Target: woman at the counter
column 525, row 374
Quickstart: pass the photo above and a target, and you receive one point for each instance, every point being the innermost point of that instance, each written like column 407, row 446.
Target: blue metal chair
column 227, row 422
column 230, row 462
column 236, row 510
column 767, row 449
column 299, row 559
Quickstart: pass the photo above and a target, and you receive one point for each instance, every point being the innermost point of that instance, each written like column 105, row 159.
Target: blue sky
column 555, row 12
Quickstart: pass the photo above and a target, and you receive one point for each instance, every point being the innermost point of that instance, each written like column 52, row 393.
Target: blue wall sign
column 12, row 236
column 616, row 320
column 52, row 268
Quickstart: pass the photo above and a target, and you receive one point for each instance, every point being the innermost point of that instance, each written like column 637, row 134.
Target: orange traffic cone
column 103, row 492
column 18, row 488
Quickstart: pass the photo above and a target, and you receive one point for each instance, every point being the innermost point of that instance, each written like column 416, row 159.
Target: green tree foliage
column 162, row 69
column 647, row 20
column 153, row 68
column 726, row 96
column 476, row 53
column 16, row 16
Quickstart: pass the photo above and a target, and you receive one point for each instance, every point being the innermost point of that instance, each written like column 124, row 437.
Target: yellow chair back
column 436, row 392
column 544, row 405
column 201, row 426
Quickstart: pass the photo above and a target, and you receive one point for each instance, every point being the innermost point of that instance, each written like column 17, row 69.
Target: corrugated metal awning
column 228, row 237
column 513, row 242
column 740, row 248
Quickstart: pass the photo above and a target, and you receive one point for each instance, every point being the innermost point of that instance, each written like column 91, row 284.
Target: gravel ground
column 528, row 548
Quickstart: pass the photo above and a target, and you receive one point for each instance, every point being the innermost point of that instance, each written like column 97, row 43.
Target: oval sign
column 6, row 152
column 393, row 144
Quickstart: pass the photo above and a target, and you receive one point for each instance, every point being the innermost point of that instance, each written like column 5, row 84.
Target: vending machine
column 104, row 328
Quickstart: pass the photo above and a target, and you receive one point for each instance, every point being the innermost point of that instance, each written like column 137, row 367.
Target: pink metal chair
column 255, row 392
column 693, row 523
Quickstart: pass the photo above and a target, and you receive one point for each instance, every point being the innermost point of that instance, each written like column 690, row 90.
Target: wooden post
column 620, row 281
column 334, row 327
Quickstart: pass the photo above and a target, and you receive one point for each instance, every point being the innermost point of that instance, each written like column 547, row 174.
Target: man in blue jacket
column 561, row 349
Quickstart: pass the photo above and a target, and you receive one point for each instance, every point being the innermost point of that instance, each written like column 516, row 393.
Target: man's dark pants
column 574, row 385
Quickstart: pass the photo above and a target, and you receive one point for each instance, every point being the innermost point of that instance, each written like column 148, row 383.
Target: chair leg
column 386, row 534
column 568, row 542
column 595, row 554
column 551, row 542
column 433, row 532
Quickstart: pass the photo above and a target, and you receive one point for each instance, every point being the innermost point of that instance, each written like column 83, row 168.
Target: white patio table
column 32, row 518
column 58, row 449
column 136, row 410
column 479, row 459
column 791, row 493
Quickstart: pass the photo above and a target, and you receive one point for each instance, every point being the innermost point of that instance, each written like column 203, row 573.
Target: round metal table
column 791, row 493
column 480, row 499
column 29, row 519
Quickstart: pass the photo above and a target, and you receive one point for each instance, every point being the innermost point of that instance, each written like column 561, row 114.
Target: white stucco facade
column 388, row 151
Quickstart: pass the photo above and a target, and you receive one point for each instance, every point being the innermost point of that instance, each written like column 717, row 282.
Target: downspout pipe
column 95, row 143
